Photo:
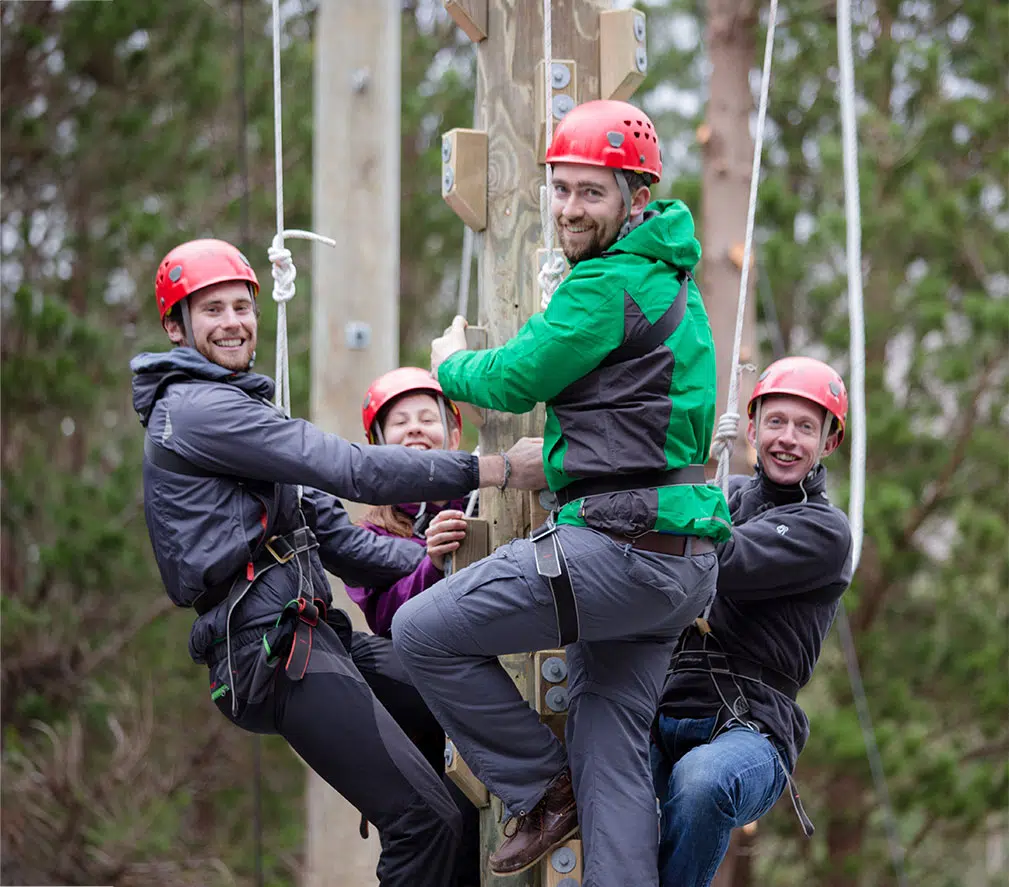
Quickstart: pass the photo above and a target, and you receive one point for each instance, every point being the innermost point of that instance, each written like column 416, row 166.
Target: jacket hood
column 152, row 371
column 666, row 234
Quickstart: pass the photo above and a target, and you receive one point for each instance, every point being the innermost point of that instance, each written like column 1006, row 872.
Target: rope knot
column 725, row 434
column 283, row 270
column 550, row 277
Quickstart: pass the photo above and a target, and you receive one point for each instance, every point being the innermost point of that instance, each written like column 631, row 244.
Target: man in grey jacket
column 241, row 508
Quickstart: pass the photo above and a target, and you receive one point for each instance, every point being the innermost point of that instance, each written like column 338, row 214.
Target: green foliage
column 928, row 604
column 121, row 137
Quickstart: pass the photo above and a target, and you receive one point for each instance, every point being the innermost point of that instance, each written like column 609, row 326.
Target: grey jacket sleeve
column 223, row 429
column 791, row 549
column 358, row 556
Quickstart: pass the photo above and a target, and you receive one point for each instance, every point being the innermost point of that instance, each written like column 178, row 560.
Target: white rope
column 728, row 425
column 552, row 272
column 856, row 347
column 284, row 272
column 856, row 315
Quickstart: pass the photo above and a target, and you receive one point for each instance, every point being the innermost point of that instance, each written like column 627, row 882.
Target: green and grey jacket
column 653, row 411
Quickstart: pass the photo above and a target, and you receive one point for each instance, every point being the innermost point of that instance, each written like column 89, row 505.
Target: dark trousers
column 380, row 666
column 334, row 721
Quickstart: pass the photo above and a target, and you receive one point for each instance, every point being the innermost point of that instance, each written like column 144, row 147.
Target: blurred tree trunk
column 727, row 162
column 728, row 159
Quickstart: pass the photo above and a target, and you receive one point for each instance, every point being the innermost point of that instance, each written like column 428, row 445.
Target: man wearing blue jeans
column 729, row 729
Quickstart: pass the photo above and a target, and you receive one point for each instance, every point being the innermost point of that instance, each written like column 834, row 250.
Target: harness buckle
column 287, row 555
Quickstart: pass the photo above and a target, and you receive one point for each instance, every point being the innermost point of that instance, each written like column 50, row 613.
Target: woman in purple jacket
column 407, row 407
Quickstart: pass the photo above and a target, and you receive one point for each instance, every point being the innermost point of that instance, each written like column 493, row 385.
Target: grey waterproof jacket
column 205, row 531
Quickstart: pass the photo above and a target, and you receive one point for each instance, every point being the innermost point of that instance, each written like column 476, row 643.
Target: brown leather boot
column 550, row 823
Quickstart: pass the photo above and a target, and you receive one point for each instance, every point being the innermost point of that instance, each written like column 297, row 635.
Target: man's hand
column 526, row 458
column 454, row 339
column 445, row 535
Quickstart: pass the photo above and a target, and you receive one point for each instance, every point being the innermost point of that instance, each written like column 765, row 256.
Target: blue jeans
column 705, row 790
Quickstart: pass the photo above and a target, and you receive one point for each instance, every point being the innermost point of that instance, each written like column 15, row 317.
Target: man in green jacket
column 624, row 360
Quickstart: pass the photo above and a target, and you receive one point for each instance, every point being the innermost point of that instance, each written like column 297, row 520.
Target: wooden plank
column 459, row 772
column 564, row 97
column 470, row 16
column 563, row 866
column 623, row 56
column 464, row 175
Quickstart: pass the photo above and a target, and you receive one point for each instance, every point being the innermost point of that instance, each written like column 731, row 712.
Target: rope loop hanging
column 283, row 270
column 552, row 272
column 728, row 425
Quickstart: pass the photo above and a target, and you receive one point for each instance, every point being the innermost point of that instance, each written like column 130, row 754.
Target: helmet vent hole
column 637, row 135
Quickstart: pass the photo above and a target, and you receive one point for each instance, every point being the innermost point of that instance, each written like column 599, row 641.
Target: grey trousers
column 632, row 606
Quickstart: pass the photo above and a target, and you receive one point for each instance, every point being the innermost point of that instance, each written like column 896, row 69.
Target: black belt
column 277, row 550
column 713, row 663
column 622, row 483
column 664, row 543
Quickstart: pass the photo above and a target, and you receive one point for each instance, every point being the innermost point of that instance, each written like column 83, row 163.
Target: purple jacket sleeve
column 380, row 602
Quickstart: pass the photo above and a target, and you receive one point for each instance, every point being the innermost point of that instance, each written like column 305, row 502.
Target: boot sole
column 529, row 865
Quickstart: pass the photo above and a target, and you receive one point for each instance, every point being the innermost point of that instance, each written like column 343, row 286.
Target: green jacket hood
column 666, row 234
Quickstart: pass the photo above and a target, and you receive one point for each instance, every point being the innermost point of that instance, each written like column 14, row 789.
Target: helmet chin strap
column 187, row 323
column 625, row 192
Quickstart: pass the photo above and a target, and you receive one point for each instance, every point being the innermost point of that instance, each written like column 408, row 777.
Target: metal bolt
column 360, row 79
column 557, row 699
column 554, row 669
column 639, row 27
column 641, row 59
column 447, row 180
column 563, row 860
column 446, row 149
column 561, row 105
column 358, row 335
column 548, row 501
column 449, row 754
column 560, row 76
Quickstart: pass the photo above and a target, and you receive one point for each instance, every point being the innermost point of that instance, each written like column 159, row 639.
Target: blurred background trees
column 121, row 130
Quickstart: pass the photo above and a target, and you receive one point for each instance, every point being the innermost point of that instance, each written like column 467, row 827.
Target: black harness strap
column 738, row 668
column 622, row 483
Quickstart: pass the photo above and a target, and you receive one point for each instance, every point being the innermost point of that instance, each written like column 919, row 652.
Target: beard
column 590, row 244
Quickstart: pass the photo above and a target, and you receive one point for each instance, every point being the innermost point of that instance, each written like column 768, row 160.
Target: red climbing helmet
column 608, row 133
column 385, row 389
column 196, row 264
column 808, row 378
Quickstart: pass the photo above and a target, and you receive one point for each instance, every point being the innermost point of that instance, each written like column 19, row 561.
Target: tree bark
column 727, row 163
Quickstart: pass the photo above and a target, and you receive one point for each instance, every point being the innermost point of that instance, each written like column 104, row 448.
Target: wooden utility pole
column 728, row 164
column 492, row 177
column 355, row 304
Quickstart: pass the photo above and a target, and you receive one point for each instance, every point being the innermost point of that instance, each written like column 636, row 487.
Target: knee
column 698, row 790
column 416, row 630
